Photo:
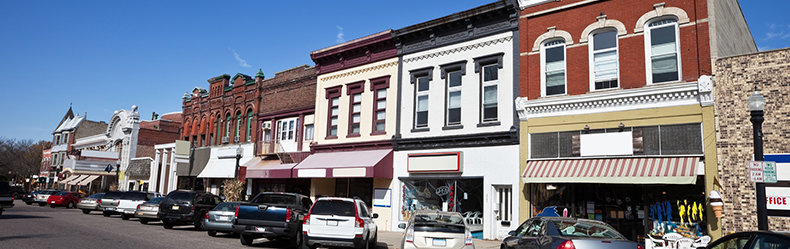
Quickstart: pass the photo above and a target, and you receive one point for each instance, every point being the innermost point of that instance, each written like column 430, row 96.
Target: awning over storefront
column 77, row 180
column 223, row 162
column 68, row 179
column 365, row 163
column 654, row 170
column 200, row 159
column 258, row 168
column 87, row 180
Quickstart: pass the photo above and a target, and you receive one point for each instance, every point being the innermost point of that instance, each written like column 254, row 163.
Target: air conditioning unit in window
column 267, row 126
column 236, row 139
column 224, row 140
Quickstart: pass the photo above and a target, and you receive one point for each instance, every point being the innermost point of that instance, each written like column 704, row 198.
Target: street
column 32, row 226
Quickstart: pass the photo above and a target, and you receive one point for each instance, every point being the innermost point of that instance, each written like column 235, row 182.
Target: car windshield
column 96, row 196
column 180, row 196
column 440, row 218
column 275, row 199
column 62, row 194
column 133, row 196
column 112, row 195
column 581, row 228
column 226, row 206
column 156, row 200
column 333, row 207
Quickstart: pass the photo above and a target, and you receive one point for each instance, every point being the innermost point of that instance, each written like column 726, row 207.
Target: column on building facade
column 163, row 181
column 173, row 178
column 155, row 173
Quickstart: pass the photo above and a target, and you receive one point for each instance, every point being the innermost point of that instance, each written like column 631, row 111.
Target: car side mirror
column 375, row 215
column 512, row 233
column 402, row 225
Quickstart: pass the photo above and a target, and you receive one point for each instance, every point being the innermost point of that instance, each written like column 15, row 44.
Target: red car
column 64, row 198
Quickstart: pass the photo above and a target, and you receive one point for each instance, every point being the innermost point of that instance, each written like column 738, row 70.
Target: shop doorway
column 355, row 187
column 503, row 210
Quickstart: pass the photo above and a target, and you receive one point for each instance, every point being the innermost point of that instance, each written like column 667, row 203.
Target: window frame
column 309, row 130
column 331, row 94
column 377, row 84
column 238, row 124
column 648, row 53
column 592, row 52
column 547, row 44
column 352, row 90
column 227, row 126
column 249, row 126
column 415, row 75
column 480, row 64
column 447, row 69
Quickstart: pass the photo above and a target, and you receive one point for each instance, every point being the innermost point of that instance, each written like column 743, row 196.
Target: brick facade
column 289, row 89
column 735, row 79
column 206, row 112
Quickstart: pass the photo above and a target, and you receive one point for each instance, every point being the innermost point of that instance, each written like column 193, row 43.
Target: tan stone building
column 735, row 79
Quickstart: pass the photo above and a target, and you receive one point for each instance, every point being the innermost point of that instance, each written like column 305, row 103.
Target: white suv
column 340, row 222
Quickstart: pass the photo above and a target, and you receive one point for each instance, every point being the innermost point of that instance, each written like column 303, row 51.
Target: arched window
column 227, row 125
column 604, row 62
column 552, row 55
column 238, row 124
column 662, row 50
column 249, row 126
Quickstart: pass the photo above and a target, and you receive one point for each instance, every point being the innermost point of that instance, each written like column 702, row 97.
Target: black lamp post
column 756, row 104
column 239, row 151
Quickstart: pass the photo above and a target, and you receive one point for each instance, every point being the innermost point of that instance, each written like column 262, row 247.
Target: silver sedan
column 90, row 203
column 221, row 219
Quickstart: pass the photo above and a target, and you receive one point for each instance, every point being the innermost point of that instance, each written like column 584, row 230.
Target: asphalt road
column 33, row 226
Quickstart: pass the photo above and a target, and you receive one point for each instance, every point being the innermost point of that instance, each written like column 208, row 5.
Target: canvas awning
column 77, row 180
column 223, row 162
column 200, row 159
column 87, row 180
column 268, row 168
column 646, row 170
column 68, row 179
column 365, row 163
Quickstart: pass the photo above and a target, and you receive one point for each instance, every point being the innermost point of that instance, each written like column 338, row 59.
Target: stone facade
column 735, row 79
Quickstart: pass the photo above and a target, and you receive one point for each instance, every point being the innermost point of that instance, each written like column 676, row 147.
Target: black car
column 30, row 198
column 6, row 197
column 185, row 207
column 752, row 239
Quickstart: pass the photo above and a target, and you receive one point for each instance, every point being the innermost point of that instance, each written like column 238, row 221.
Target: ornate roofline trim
column 359, row 71
column 508, row 38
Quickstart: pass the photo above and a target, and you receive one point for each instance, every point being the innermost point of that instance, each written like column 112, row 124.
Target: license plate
column 175, row 207
column 331, row 223
column 439, row 242
column 109, row 209
column 223, row 218
column 52, row 202
column 139, row 213
column 260, row 229
column 145, row 208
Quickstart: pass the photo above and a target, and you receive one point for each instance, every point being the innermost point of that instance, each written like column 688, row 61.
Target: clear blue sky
column 102, row 56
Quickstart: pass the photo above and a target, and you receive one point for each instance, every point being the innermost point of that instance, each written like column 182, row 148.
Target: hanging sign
column 762, row 171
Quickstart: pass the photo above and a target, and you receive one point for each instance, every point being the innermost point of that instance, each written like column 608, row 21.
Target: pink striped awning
column 653, row 170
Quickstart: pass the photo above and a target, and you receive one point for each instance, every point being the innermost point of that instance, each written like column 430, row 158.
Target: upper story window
column 227, row 125
column 421, row 78
column 553, row 67
column 249, row 126
column 354, row 90
column 308, row 132
column 65, row 138
column 57, row 139
column 604, row 63
column 333, row 95
column 453, row 97
column 379, row 87
column 488, row 69
column 238, row 124
column 663, row 62
column 286, row 129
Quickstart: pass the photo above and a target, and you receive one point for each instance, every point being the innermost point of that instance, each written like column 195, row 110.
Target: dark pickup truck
column 6, row 197
column 273, row 216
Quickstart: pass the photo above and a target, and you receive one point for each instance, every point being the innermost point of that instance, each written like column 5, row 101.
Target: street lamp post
column 756, row 104
column 239, row 151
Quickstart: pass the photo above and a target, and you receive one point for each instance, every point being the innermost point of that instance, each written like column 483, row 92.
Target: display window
column 298, row 186
column 454, row 195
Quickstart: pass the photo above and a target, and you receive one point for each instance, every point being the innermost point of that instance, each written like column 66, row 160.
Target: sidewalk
column 393, row 241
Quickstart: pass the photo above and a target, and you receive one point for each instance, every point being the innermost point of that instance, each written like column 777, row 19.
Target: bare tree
column 20, row 159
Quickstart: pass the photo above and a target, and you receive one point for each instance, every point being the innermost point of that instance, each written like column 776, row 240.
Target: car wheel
column 70, row 205
column 124, row 217
column 143, row 221
column 52, row 206
column 29, row 203
column 211, row 233
column 246, row 239
column 296, row 241
column 42, row 204
column 305, row 245
column 374, row 241
column 167, row 225
column 199, row 224
column 86, row 211
column 106, row 214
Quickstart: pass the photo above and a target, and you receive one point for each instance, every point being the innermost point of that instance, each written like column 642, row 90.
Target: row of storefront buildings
column 622, row 111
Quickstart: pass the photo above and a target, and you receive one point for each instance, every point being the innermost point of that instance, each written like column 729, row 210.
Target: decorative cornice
column 457, row 141
column 459, row 49
column 359, row 71
column 653, row 96
column 659, row 9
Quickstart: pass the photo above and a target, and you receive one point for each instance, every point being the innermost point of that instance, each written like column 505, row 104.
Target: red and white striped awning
column 646, row 170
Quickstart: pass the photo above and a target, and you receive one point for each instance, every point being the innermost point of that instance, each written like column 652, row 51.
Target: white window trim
column 648, row 62
column 417, row 95
column 543, row 66
column 591, row 51
column 483, row 85
column 448, row 90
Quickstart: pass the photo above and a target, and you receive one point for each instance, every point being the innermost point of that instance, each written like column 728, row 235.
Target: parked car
column 19, row 191
column 64, row 198
column 29, row 198
column 340, row 222
column 6, row 197
column 146, row 211
column 129, row 201
column 566, row 232
column 272, row 216
column 185, row 207
column 41, row 197
column 220, row 219
column 436, row 229
column 109, row 202
column 90, row 203
column 752, row 239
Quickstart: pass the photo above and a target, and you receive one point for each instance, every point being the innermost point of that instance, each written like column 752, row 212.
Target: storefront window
column 460, row 195
column 297, row 186
column 355, row 187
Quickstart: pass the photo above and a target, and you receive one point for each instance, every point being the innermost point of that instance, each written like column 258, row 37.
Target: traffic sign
column 762, row 171
column 769, row 171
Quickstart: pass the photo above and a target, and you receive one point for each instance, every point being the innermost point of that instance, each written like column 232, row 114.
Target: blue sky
column 102, row 56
